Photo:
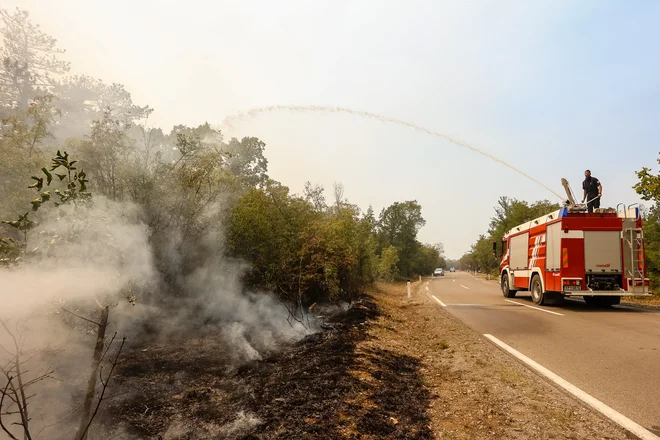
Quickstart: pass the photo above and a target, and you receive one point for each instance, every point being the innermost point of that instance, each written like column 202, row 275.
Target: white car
column 439, row 272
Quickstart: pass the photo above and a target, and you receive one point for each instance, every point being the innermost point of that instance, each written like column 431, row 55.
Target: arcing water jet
column 329, row 109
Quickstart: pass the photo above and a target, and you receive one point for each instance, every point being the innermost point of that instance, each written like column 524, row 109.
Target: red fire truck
column 570, row 252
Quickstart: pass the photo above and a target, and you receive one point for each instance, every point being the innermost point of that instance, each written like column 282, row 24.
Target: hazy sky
column 553, row 87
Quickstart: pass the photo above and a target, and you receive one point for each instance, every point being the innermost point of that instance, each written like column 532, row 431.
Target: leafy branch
column 75, row 191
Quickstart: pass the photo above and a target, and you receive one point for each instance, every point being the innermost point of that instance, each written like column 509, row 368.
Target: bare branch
column 105, row 386
column 81, row 317
column 22, row 401
column 3, row 369
column 112, row 340
column 26, row 360
column 9, row 332
column 40, row 378
column 290, row 310
column 101, row 377
column 76, row 409
column 7, row 351
column 117, row 395
column 99, row 351
column 2, row 399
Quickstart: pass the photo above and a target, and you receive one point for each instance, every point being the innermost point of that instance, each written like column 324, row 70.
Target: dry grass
column 651, row 301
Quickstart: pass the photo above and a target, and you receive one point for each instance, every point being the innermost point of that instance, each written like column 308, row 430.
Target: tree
column 314, row 195
column 510, row 213
column 428, row 258
column 22, row 135
column 467, row 261
column 398, row 226
column 301, row 253
column 440, row 248
column 388, row 269
column 366, row 242
column 482, row 255
column 370, row 222
column 184, row 202
column 264, row 229
column 192, row 140
column 338, row 196
column 27, row 129
column 648, row 186
column 30, row 60
column 84, row 99
column 246, row 161
column 651, row 227
column 104, row 153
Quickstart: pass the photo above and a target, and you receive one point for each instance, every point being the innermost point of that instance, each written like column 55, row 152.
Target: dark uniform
column 590, row 185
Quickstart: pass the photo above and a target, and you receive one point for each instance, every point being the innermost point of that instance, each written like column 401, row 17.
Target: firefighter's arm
column 584, row 195
column 600, row 189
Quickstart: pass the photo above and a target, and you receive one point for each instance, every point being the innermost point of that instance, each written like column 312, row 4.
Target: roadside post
column 409, row 289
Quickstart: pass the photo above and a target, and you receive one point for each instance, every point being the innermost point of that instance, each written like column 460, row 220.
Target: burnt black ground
column 318, row 388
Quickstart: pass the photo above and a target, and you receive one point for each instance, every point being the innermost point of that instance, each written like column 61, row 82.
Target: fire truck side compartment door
column 553, row 257
column 553, row 249
column 602, row 251
column 519, row 252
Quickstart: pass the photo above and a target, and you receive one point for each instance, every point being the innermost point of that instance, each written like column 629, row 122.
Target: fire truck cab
column 599, row 256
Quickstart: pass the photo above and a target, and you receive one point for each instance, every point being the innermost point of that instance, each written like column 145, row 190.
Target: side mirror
column 495, row 248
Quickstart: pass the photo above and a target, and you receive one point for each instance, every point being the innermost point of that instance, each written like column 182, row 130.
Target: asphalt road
column 612, row 354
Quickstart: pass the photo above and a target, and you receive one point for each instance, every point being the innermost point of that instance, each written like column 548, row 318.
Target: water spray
column 329, row 109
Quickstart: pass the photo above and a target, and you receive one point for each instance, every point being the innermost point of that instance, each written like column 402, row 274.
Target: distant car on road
column 439, row 272
column 451, row 269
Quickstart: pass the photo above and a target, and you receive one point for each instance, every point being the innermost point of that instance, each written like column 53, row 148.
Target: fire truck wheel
column 506, row 290
column 537, row 290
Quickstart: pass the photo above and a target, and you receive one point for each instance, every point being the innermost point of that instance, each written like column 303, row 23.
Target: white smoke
column 79, row 256
column 101, row 255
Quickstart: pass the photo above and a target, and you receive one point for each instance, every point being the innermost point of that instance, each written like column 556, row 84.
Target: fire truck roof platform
column 630, row 213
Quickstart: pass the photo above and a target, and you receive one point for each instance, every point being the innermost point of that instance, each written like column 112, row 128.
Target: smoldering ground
column 308, row 389
column 101, row 255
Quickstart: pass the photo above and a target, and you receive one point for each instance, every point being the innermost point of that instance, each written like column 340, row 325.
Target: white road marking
column 535, row 308
column 480, row 279
column 476, row 305
column 465, row 287
column 427, row 288
column 599, row 406
column 439, row 302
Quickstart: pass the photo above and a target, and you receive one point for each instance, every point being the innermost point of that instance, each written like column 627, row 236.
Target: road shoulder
column 477, row 391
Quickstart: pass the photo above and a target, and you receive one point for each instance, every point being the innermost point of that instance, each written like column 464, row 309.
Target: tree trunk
column 91, row 383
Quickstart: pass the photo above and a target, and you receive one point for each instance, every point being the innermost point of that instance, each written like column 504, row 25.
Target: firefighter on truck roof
column 593, row 191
